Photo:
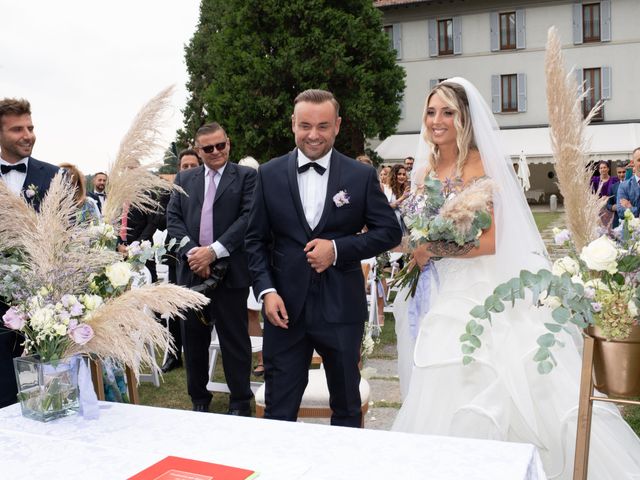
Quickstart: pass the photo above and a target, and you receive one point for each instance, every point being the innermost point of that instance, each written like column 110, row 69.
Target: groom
column 305, row 245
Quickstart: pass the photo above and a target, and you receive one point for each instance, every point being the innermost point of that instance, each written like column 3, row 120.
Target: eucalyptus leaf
column 494, row 303
column 468, row 349
column 553, row 327
column 479, row 312
column 466, row 360
column 547, row 340
column 545, row 367
column 475, row 341
column 541, row 354
column 561, row 314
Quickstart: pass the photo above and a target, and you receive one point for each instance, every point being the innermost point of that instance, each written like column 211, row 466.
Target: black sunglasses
column 209, row 148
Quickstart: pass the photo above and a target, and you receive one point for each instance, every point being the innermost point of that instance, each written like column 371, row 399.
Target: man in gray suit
column 629, row 191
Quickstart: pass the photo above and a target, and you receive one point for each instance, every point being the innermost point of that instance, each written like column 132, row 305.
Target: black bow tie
column 20, row 167
column 318, row 168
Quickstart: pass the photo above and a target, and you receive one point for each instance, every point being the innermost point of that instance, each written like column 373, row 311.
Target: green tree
column 249, row 59
column 170, row 160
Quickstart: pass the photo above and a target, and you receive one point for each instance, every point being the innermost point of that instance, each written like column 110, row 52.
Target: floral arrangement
column 450, row 214
column 599, row 285
column 69, row 291
column 341, row 198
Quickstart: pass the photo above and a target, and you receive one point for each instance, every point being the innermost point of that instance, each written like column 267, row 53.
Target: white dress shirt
column 14, row 179
column 313, row 188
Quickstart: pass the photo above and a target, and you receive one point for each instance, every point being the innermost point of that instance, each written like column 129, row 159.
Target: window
column 593, row 86
column 394, row 34
column 508, row 31
column 591, row 22
column 509, row 93
column 445, row 37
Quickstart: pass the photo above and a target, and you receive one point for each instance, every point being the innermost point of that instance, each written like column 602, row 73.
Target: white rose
column 601, row 255
column 633, row 309
column 119, row 274
column 565, row 265
column 91, row 302
column 60, row 329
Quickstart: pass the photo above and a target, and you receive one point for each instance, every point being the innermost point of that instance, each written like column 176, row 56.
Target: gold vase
column 616, row 364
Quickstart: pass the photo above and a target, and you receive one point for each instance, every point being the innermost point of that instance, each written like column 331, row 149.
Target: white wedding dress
column 501, row 395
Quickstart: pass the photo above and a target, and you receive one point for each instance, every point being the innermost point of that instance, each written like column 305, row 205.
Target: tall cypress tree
column 249, row 59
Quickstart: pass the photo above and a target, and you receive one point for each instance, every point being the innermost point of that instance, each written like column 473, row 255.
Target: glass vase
column 47, row 390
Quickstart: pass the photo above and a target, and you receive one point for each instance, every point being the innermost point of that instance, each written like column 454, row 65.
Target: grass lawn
column 544, row 219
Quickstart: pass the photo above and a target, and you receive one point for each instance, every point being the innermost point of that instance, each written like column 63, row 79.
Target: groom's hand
column 320, row 254
column 275, row 310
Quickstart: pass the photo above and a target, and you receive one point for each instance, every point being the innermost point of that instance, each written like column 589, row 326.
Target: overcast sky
column 87, row 67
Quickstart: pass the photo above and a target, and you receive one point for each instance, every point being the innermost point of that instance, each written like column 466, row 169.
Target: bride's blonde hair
column 455, row 97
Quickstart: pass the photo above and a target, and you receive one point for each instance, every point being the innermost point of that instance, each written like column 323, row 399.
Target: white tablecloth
column 128, row 438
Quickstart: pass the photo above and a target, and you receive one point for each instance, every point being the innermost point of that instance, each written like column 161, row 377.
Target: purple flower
column 14, row 319
column 597, row 307
column 81, row 334
column 76, row 309
column 561, row 237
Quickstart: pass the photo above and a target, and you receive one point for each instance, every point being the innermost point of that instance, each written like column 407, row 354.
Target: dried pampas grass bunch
column 131, row 182
column 570, row 149
column 461, row 209
column 124, row 325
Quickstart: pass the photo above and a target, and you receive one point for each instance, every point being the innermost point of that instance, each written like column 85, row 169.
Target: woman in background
column 87, row 207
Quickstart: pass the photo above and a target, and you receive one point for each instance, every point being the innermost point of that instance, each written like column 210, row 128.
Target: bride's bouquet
column 448, row 215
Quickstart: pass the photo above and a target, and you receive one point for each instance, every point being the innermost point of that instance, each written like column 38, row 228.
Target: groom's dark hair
column 14, row 106
column 317, row 96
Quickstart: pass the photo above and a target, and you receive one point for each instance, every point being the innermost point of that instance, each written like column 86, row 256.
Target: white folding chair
column 214, row 349
column 154, row 375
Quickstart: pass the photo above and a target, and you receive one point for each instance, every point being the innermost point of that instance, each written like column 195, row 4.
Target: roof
column 607, row 141
column 390, row 3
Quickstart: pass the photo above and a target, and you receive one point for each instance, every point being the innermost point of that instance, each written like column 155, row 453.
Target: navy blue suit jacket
column 278, row 232
column 230, row 216
column 39, row 174
column 630, row 190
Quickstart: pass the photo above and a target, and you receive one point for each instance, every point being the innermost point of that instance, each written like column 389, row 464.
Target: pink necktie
column 206, row 218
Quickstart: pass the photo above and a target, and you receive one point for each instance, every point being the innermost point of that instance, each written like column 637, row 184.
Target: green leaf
column 553, row 327
column 477, row 329
column 493, row 303
column 465, row 337
column 541, row 354
column 545, row 279
column 547, row 340
column 503, row 291
column 475, row 341
column 468, row 349
column 545, row 367
column 561, row 314
column 618, row 278
column 629, row 263
column 528, row 279
column 479, row 312
column 466, row 360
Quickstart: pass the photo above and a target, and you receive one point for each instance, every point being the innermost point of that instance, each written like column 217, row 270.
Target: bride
column 501, row 395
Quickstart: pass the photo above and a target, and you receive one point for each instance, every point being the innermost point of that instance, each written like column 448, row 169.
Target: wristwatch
column 213, row 252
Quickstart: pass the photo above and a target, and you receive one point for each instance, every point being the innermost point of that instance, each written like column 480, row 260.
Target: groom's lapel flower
column 341, row 198
column 31, row 191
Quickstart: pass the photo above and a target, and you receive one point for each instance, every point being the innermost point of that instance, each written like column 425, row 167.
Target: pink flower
column 81, row 334
column 14, row 319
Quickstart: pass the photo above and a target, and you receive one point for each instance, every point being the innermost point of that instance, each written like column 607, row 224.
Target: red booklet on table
column 177, row 468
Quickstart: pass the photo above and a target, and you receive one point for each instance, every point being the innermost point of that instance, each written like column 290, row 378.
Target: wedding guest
column 613, row 195
column 408, row 164
column 305, row 246
column 88, row 210
column 385, row 173
column 400, row 189
column 629, row 192
column 213, row 216
column 23, row 175
column 99, row 193
column 186, row 159
column 602, row 182
column 254, row 307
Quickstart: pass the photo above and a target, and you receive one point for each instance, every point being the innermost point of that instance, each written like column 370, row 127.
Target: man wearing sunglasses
column 213, row 216
column 305, row 246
